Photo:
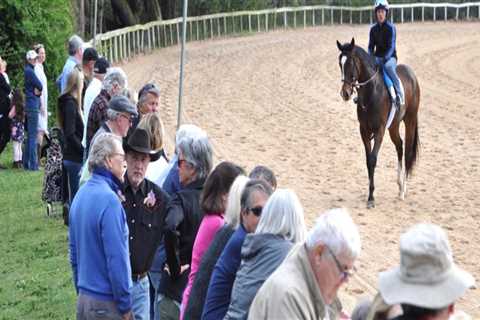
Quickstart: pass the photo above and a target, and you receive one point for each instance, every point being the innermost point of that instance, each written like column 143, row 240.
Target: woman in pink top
column 213, row 201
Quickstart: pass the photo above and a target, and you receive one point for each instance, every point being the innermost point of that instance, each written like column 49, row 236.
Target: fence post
column 445, row 13
column 423, row 14
column 434, row 13
column 258, row 23
column 241, row 24
column 468, row 13
column 165, row 34
column 275, row 20
column 204, row 33
column 218, row 28
column 285, row 19
column 361, row 13
column 456, row 15
column 313, row 17
column 341, row 16
column 190, row 29
column 371, row 13
column 178, row 32
column 351, row 12
column 233, row 24
column 225, row 24
column 411, row 15
column 211, row 28
column 110, row 49
column 249, row 23
column 150, row 39
column 196, row 25
column 402, row 14
column 331, row 15
column 323, row 16
column 124, row 51
column 294, row 19
column 304, row 19
column 266, row 22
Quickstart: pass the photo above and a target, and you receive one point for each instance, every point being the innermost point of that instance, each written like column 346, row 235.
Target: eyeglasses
column 345, row 274
column 256, row 211
column 129, row 118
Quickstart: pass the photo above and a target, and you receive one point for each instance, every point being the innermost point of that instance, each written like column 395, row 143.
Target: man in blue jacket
column 98, row 236
column 33, row 90
column 382, row 45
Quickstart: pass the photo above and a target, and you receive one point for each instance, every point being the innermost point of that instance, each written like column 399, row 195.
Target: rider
column 382, row 44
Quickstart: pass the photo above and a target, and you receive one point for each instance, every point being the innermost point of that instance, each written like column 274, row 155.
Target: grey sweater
column 261, row 256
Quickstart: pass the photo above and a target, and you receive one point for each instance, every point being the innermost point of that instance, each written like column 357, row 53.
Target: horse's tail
column 412, row 154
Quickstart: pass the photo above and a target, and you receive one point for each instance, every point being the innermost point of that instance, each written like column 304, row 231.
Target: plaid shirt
column 97, row 114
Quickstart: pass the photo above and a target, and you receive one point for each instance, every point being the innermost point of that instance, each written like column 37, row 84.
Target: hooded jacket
column 261, row 256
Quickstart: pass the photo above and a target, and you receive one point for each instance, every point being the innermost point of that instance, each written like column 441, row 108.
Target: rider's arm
column 391, row 42
column 371, row 43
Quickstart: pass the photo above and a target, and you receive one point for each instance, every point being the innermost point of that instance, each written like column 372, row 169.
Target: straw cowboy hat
column 427, row 276
column 139, row 141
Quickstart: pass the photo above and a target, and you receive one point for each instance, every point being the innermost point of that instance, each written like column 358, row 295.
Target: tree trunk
column 123, row 11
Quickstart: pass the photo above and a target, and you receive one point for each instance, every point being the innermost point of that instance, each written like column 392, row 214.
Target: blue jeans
column 156, row 277
column 141, row 299
column 73, row 175
column 30, row 160
column 391, row 69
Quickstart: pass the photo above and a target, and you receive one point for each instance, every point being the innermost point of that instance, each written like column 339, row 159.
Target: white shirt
column 91, row 93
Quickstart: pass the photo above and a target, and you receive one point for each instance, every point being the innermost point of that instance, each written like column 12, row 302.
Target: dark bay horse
column 360, row 73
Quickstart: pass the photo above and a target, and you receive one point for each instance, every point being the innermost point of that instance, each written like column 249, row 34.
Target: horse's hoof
column 371, row 204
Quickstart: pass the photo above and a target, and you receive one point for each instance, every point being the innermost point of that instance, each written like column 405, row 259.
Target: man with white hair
column 428, row 282
column 305, row 285
column 75, row 54
column 113, row 85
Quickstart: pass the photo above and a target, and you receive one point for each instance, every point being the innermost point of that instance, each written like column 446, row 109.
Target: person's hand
column 37, row 92
column 184, row 268
column 128, row 316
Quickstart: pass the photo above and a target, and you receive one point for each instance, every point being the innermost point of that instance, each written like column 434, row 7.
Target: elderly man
column 113, row 85
column 305, row 285
column 75, row 54
column 145, row 204
column 98, row 237
column 99, row 70
column 428, row 282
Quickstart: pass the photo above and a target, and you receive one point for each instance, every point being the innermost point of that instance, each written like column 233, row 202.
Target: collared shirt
column 97, row 115
column 92, row 92
column 145, row 223
column 67, row 68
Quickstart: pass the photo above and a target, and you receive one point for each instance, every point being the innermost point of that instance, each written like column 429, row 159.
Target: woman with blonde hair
column 152, row 123
column 70, row 119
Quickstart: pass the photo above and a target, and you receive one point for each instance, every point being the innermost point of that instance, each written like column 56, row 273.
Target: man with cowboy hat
column 428, row 282
column 145, row 206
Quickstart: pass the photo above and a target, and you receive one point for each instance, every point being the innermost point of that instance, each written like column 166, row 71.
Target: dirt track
column 274, row 99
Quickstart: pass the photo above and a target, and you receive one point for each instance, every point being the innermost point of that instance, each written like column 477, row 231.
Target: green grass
column 35, row 274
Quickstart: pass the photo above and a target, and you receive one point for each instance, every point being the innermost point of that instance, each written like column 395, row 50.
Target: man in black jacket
column 145, row 206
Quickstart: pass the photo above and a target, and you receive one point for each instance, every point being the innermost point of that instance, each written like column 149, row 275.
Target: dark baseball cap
column 122, row 104
column 89, row 54
column 101, row 66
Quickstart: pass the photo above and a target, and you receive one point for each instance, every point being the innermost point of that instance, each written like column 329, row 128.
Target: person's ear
column 319, row 250
column 451, row 309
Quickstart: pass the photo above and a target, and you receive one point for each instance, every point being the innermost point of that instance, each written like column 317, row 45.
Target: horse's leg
column 372, row 163
column 397, row 141
column 368, row 150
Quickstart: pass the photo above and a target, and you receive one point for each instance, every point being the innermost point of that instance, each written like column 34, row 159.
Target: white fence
column 125, row 43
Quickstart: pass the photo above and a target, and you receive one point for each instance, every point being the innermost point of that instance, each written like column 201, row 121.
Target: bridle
column 354, row 84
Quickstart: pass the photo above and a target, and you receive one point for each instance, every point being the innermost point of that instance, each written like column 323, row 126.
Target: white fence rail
column 127, row 42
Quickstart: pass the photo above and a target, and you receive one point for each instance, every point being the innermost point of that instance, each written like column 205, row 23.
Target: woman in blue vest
column 382, row 45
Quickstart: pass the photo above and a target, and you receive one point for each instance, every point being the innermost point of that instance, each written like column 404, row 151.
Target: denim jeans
column 89, row 308
column 391, row 69
column 30, row 160
column 73, row 175
column 141, row 299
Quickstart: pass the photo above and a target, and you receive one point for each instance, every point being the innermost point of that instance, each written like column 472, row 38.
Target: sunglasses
column 257, row 211
column 345, row 274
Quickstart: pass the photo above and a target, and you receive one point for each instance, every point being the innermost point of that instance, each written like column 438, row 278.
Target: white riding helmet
column 381, row 4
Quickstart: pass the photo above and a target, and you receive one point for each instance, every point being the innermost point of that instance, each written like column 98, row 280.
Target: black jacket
column 198, row 294
column 183, row 219
column 72, row 128
column 382, row 41
column 4, row 99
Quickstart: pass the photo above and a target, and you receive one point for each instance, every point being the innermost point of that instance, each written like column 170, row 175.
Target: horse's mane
column 365, row 57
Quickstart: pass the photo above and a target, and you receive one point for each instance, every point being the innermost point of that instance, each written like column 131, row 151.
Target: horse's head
column 348, row 68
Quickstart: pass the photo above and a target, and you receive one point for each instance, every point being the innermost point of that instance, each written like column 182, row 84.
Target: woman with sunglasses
column 280, row 227
column 253, row 199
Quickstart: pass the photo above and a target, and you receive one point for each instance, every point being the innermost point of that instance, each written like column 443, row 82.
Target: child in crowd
column 17, row 115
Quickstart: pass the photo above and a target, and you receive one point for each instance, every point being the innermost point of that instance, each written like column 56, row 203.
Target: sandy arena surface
column 274, row 99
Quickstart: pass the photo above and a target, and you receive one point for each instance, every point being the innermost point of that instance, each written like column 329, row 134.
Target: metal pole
column 95, row 24
column 182, row 59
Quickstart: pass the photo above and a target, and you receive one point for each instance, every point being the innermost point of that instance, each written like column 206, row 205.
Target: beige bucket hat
column 427, row 276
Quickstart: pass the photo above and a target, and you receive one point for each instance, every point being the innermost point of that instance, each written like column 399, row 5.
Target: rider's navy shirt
column 382, row 41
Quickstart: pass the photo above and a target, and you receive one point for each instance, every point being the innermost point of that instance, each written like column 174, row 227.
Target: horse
column 360, row 73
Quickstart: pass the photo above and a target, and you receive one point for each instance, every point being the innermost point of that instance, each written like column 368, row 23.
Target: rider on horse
column 382, row 45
